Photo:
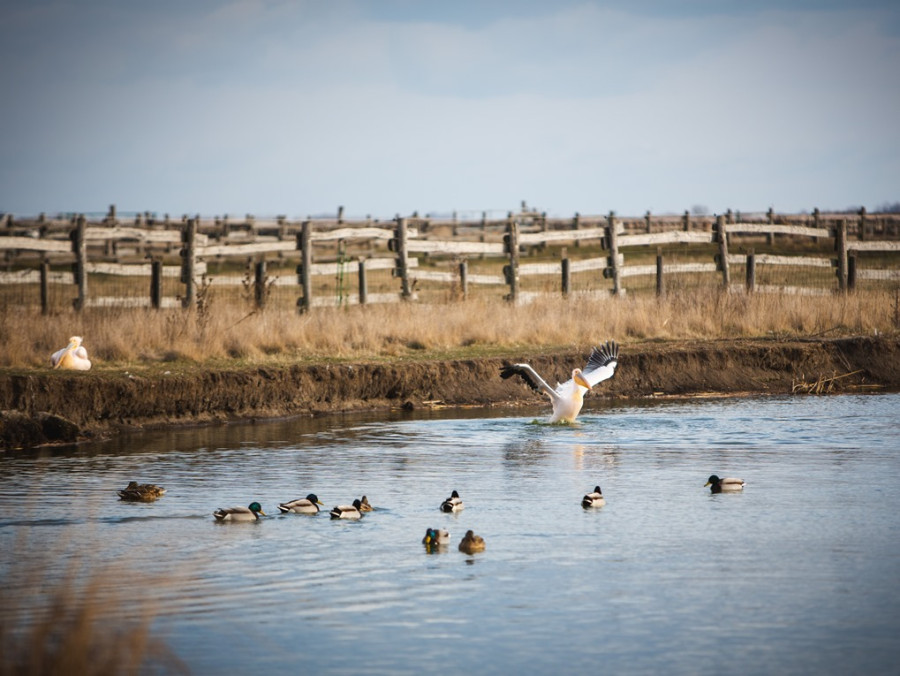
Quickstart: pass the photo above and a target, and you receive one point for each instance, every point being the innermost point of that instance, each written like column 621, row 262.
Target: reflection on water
column 796, row 574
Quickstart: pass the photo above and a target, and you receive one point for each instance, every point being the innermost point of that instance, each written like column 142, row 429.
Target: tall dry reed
column 222, row 332
column 78, row 619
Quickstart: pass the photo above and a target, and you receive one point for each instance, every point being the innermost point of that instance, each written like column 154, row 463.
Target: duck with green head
column 347, row 511
column 308, row 505
column 593, row 499
column 726, row 485
column 435, row 538
column 239, row 514
column 453, row 504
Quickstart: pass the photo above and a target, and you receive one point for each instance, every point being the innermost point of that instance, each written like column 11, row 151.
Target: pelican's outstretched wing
column 530, row 376
column 602, row 363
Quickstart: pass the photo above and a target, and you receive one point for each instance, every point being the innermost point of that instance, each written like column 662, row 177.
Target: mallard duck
column 452, row 504
column 436, row 537
column 308, row 505
column 594, row 499
column 717, row 485
column 135, row 492
column 250, row 513
column 471, row 543
column 347, row 511
column 364, row 505
column 568, row 398
column 73, row 356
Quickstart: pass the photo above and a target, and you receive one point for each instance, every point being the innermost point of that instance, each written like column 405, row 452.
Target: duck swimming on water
column 135, row 492
column 347, row 511
column 471, row 543
column 594, row 499
column 453, row 504
column 726, row 485
column 308, row 505
column 239, row 514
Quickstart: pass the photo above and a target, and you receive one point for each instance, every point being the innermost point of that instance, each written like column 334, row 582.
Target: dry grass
column 223, row 332
column 77, row 622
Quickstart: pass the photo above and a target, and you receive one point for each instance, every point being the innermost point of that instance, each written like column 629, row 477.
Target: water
column 799, row 573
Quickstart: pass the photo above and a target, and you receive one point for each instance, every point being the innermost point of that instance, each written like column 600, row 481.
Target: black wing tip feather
column 603, row 355
column 510, row 370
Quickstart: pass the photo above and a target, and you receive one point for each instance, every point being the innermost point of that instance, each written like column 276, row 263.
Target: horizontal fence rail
column 596, row 254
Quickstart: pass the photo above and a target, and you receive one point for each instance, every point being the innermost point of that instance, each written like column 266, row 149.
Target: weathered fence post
column 566, row 274
column 464, row 278
column 722, row 235
column 576, row 225
column 511, row 271
column 840, row 245
column 751, row 271
column 612, row 239
column 45, row 289
column 79, row 248
column 863, row 223
column 851, row 271
column 660, row 280
column 304, row 269
column 647, row 222
column 770, row 219
column 188, row 261
column 363, row 284
column 156, row 268
column 686, row 220
column 259, row 284
column 402, row 269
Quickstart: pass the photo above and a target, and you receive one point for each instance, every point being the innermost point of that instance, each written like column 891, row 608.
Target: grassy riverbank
column 214, row 363
column 229, row 335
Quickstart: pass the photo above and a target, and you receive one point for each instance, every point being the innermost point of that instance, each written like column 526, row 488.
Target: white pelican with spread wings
column 568, row 397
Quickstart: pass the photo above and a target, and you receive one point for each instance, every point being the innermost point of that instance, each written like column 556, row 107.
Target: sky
column 388, row 107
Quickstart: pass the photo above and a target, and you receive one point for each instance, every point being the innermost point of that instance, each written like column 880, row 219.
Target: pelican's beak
column 580, row 380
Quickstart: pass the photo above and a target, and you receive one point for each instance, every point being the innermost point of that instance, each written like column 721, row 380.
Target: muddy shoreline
column 64, row 407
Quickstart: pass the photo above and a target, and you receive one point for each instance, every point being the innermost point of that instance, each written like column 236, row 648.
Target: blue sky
column 394, row 106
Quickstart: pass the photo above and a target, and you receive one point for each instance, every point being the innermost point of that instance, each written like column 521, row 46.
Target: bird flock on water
column 566, row 399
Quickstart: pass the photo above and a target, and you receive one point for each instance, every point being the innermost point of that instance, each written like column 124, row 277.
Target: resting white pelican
column 568, row 397
column 72, row 356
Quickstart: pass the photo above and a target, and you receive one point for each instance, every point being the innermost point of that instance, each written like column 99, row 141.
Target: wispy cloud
column 294, row 108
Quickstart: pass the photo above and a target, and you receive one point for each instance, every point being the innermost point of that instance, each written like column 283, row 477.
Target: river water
column 799, row 573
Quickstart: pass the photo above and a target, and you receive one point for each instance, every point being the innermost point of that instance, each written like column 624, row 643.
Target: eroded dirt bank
column 100, row 402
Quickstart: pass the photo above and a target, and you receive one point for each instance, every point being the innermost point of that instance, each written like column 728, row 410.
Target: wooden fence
column 153, row 251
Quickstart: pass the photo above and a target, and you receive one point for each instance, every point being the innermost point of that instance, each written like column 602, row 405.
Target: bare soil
column 54, row 407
